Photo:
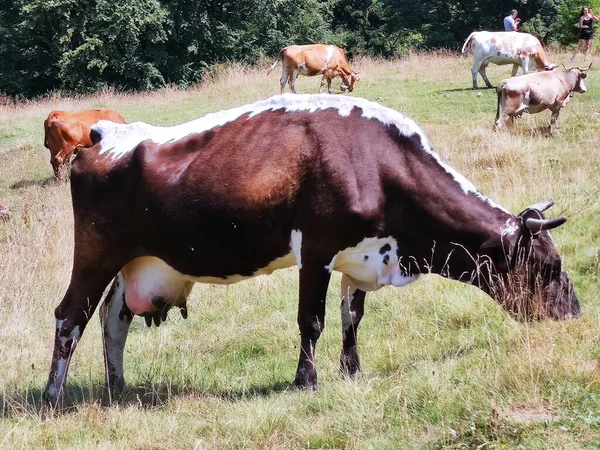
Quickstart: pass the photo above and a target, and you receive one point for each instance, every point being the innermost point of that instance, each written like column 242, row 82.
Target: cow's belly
column 502, row 60
column 150, row 283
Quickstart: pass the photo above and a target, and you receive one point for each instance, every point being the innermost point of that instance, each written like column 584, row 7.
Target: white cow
column 505, row 48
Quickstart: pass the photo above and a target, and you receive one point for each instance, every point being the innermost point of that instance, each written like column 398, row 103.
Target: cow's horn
column 563, row 65
column 542, row 206
column 537, row 225
column 587, row 68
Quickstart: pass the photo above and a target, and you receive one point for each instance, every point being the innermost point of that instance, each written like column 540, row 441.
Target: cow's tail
column 279, row 58
column 467, row 42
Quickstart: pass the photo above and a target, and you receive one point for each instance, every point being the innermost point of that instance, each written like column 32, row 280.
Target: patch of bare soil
column 524, row 414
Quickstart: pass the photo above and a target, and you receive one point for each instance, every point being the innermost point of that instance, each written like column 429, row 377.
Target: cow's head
column 349, row 80
column 62, row 145
column 527, row 276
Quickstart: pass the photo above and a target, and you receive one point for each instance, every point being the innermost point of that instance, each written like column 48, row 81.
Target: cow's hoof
column 306, row 379
column 116, row 384
column 349, row 365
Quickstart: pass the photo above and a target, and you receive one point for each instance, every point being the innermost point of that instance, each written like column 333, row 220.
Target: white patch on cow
column 328, row 60
column 120, row 139
column 62, row 364
column 115, row 329
column 371, row 264
column 509, row 228
column 296, row 245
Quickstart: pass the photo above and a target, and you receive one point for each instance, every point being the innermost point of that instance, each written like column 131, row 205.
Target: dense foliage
column 85, row 45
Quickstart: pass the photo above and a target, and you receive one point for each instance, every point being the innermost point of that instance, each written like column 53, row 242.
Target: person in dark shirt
column 586, row 31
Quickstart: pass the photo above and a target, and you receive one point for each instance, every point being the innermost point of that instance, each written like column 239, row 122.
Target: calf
column 318, row 59
column 65, row 133
column 321, row 182
column 504, row 48
column 537, row 92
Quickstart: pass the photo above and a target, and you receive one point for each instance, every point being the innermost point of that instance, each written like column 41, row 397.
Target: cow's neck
column 449, row 235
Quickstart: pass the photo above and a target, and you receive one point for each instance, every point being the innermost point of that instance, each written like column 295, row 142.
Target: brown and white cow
column 500, row 47
column 537, row 92
column 317, row 59
column 246, row 191
column 65, row 133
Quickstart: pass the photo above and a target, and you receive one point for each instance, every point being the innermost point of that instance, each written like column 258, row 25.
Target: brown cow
column 246, row 191
column 537, row 92
column 318, row 59
column 65, row 133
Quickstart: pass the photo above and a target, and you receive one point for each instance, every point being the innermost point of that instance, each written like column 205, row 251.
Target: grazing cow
column 243, row 192
column 504, row 48
column 318, row 59
column 537, row 92
column 65, row 133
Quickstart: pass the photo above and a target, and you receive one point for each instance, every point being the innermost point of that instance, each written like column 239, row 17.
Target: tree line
column 82, row 46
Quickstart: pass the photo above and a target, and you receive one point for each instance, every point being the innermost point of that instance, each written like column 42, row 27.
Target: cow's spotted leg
column 352, row 308
column 484, row 74
column 314, row 279
column 115, row 318
column 72, row 316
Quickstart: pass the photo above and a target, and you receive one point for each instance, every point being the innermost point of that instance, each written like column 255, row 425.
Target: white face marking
column 119, row 139
column 371, row 264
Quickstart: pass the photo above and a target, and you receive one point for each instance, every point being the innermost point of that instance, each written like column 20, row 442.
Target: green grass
column 444, row 366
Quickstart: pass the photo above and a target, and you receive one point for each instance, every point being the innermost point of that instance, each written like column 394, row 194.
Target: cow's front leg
column 352, row 309
column 314, row 279
column 553, row 119
column 115, row 318
column 515, row 69
column 72, row 316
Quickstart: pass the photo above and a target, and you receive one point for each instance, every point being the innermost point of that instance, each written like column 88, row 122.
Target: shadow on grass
column 51, row 181
column 29, row 402
column 445, row 91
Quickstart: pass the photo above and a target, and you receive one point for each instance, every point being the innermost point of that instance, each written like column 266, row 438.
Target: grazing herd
column 325, row 183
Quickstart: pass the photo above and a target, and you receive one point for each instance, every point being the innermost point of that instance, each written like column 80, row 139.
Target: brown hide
column 318, row 59
column 65, row 133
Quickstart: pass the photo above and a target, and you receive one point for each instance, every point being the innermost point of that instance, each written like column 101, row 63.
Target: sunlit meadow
column 443, row 365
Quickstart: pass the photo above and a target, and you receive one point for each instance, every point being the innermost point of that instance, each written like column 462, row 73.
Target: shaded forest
column 82, row 46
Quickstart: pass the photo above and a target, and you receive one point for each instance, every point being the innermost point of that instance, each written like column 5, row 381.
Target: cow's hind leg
column 284, row 79
column 314, row 279
column 352, row 308
column 115, row 318
column 484, row 75
column 72, row 316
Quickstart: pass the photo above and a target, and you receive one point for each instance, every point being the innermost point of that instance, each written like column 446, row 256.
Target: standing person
column 511, row 22
column 586, row 31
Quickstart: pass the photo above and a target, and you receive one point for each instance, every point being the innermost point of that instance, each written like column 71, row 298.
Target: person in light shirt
column 511, row 22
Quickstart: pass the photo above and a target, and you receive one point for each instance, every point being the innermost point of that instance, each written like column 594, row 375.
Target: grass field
column 443, row 365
